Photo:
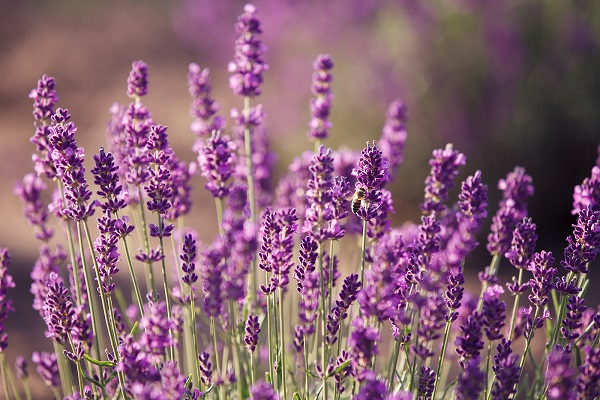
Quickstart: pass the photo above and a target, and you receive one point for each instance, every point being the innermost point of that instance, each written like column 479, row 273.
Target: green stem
column 219, row 206
column 323, row 313
column 66, row 379
column 363, row 249
column 393, row 364
column 171, row 349
column 513, row 318
column 194, row 339
column 235, row 348
column 252, row 286
column 150, row 275
column 213, row 332
column 283, row 349
column 442, row 353
column 136, row 287
column 527, row 343
column 5, row 378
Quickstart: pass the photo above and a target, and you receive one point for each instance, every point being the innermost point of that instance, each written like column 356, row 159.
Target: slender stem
column 136, row 287
column 363, row 249
column 5, row 377
column 393, row 364
column 283, row 349
column 251, row 201
column 219, row 206
column 488, row 386
column 331, row 263
column 194, row 339
column 513, row 318
column 270, row 337
column 527, row 343
column 323, row 313
column 171, row 350
column 213, row 332
column 79, row 370
column 150, row 276
column 442, row 353
column 235, row 348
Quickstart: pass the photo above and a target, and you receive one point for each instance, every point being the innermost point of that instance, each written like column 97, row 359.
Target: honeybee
column 359, row 199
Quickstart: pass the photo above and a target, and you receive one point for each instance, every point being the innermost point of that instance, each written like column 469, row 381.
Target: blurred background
column 509, row 82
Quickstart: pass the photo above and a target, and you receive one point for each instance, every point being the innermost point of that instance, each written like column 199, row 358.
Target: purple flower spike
column 34, row 208
column 212, row 278
column 572, row 322
column 47, row 367
column 252, row 331
column 156, row 326
column 493, row 312
column 263, row 391
column 44, row 99
column 506, row 369
column 137, row 82
column 588, row 193
column 583, row 245
column 470, row 381
column 589, row 376
column 560, row 377
column 372, row 388
column 248, row 64
column 393, row 135
column 68, row 161
column 188, row 256
column 21, row 368
column 470, row 343
column 426, row 382
column 371, row 172
column 205, row 368
column 516, row 188
column 59, row 313
column 543, row 277
column 444, row 168
column 217, row 162
column 203, row 108
column 523, row 244
column 6, row 282
column 320, row 106
column 363, row 346
column 106, row 252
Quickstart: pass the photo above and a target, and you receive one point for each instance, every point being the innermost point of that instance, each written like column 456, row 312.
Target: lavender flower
column 363, row 346
column 318, row 195
column 371, row 172
column 47, row 368
column 188, row 256
column 59, row 313
column 523, row 244
column 543, row 276
column 454, row 293
column 172, row 381
column 21, row 368
column 426, row 382
column 217, row 162
column 393, row 135
column 34, row 208
column 493, row 312
column 507, row 372
column 106, row 177
column 444, row 168
column 263, row 391
column 339, row 312
column 470, row 381
column 308, row 286
column 6, row 282
column 205, row 368
column 584, row 243
column 589, row 376
column 156, row 337
column 203, row 108
column 433, row 320
column 68, row 161
column 107, row 255
column 44, row 99
column 320, row 106
column 588, row 193
column 136, row 126
column 516, row 188
column 136, row 365
column 212, row 278
column 372, row 388
column 572, row 321
column 248, row 65
column 252, row 331
column 46, row 264
column 137, row 82
column 470, row 343
column 559, row 375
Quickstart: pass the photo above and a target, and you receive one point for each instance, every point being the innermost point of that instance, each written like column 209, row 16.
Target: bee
column 359, row 199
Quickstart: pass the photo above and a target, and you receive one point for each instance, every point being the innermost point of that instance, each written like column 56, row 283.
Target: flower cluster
column 226, row 317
